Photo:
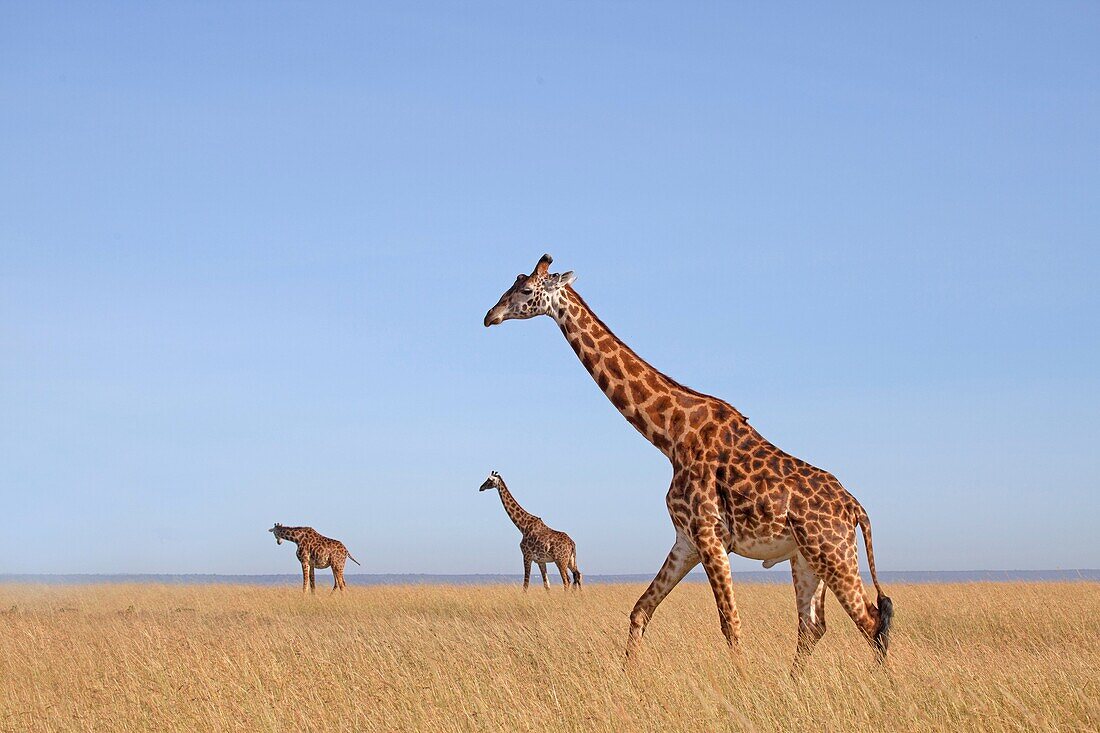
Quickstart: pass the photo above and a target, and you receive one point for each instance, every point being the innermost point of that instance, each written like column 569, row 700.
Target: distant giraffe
column 315, row 551
column 540, row 544
column 732, row 490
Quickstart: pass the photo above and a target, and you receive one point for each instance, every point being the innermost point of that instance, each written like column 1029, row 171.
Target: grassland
column 970, row 657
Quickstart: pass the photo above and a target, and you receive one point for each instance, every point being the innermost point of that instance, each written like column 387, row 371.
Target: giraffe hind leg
column 838, row 566
column 809, row 593
column 545, row 581
column 563, row 569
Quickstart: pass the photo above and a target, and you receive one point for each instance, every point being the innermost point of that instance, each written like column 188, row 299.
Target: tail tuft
column 885, row 617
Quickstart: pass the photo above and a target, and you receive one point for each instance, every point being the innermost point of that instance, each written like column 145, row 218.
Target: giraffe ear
column 560, row 281
column 543, row 265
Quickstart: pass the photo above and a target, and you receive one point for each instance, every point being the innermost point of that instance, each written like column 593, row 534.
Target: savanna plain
column 966, row 657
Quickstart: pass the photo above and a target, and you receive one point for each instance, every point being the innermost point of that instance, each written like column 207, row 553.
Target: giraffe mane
column 735, row 413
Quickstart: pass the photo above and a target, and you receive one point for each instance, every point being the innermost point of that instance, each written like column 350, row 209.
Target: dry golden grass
column 976, row 657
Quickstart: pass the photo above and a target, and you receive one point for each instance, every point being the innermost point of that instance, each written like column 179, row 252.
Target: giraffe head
column 280, row 533
column 530, row 295
column 493, row 482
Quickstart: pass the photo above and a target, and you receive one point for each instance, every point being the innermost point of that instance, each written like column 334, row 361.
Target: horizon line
column 763, row 577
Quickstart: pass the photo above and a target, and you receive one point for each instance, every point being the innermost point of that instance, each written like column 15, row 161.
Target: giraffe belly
column 772, row 549
column 542, row 554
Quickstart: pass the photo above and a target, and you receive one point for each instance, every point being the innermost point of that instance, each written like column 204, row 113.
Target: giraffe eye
column 526, row 291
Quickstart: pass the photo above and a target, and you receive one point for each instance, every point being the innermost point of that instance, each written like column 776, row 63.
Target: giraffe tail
column 354, row 560
column 885, row 605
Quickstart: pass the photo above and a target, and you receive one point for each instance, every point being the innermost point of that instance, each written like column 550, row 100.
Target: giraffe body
column 316, row 551
column 731, row 490
column 540, row 545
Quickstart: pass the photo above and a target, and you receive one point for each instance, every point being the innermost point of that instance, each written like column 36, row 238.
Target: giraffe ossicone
column 731, row 491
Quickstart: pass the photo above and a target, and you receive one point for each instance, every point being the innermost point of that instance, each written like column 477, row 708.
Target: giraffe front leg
column 526, row 573
column 312, row 582
column 717, row 564
column 681, row 559
column 305, row 578
column 545, row 581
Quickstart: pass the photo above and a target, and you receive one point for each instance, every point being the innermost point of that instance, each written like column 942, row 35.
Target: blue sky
column 245, row 251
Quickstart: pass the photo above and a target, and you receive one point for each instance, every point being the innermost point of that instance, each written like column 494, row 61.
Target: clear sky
column 245, row 251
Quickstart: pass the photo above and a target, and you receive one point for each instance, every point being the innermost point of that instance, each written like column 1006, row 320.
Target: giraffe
column 540, row 544
column 731, row 491
column 315, row 551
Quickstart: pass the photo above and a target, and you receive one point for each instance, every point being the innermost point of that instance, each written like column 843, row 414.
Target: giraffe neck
column 523, row 519
column 294, row 534
column 660, row 408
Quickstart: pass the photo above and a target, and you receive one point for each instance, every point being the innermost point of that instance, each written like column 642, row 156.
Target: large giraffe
column 732, row 490
column 540, row 544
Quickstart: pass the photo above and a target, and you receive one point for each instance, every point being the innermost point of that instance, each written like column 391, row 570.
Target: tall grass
column 968, row 657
